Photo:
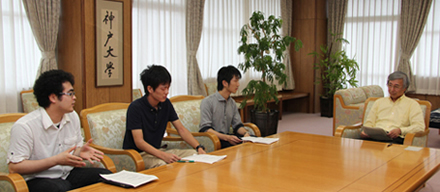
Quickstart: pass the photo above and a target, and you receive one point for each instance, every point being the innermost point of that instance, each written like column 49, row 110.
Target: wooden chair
column 188, row 109
column 14, row 181
column 28, row 101
column 413, row 139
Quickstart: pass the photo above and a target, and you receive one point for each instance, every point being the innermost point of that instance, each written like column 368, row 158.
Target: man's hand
column 65, row 158
column 232, row 139
column 201, row 151
column 89, row 153
column 394, row 133
column 364, row 135
column 169, row 158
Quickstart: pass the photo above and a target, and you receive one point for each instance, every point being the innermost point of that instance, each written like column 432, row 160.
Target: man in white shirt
column 46, row 146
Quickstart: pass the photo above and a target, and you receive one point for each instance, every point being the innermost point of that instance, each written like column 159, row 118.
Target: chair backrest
column 424, row 105
column 105, row 123
column 210, row 88
column 6, row 122
column 28, row 101
column 137, row 93
column 188, row 109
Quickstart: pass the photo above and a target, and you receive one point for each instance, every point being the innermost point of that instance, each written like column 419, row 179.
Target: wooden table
column 298, row 162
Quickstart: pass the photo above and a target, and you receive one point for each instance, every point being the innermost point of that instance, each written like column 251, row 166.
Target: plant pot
column 266, row 122
column 326, row 106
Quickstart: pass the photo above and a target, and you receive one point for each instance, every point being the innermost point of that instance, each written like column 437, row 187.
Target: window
column 20, row 55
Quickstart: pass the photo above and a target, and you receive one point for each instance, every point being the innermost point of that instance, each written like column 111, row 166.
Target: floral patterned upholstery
column 137, row 93
column 417, row 139
column 349, row 104
column 211, row 88
column 29, row 101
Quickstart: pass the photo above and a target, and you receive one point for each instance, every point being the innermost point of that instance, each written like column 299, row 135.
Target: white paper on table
column 260, row 139
column 205, row 158
column 129, row 178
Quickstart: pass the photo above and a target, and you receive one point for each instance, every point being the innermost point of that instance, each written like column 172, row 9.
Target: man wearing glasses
column 396, row 114
column 46, row 146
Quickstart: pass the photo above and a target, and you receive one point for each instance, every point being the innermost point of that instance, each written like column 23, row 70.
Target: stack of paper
column 128, row 178
column 260, row 139
column 205, row 158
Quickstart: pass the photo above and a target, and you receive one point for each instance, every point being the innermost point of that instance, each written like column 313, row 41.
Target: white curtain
column 19, row 55
column 159, row 38
column 221, row 35
column 371, row 26
column 425, row 61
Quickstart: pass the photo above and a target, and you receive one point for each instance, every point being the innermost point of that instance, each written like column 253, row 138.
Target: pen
column 185, row 161
column 389, row 144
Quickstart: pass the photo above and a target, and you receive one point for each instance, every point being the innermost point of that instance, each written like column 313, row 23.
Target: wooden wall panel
column 311, row 28
column 78, row 17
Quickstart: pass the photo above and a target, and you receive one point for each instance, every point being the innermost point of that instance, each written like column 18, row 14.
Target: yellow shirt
column 405, row 113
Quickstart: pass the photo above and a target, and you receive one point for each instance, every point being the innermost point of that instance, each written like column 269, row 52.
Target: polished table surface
column 298, row 162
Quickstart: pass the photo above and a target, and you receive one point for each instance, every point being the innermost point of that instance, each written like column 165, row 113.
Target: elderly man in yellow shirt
column 397, row 114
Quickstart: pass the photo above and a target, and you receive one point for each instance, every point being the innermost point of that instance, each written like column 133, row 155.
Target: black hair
column 154, row 75
column 51, row 82
column 226, row 73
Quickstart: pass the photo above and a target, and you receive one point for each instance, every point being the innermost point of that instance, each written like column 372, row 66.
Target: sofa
column 348, row 104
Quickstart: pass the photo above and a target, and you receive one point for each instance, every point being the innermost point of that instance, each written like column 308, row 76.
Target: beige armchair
column 137, row 93
column 29, row 101
column 413, row 139
column 188, row 109
column 348, row 104
column 14, row 181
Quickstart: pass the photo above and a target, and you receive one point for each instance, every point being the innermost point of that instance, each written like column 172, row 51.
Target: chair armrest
column 108, row 163
column 254, row 128
column 341, row 128
column 133, row 154
column 409, row 138
column 16, row 180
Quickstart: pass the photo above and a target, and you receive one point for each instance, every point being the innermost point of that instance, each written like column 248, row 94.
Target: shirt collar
column 218, row 96
column 151, row 108
column 47, row 122
column 399, row 99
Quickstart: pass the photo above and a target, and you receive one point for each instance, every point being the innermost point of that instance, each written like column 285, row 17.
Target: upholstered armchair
column 137, row 93
column 348, row 104
column 29, row 101
column 188, row 109
column 414, row 139
column 14, row 181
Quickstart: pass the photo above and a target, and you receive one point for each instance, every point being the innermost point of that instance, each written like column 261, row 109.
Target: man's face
column 396, row 88
column 232, row 87
column 67, row 100
column 160, row 93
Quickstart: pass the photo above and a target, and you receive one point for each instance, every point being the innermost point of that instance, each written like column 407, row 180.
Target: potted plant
column 337, row 71
column 264, row 55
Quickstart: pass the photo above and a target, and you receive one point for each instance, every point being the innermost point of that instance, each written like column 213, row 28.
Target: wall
column 76, row 53
column 310, row 26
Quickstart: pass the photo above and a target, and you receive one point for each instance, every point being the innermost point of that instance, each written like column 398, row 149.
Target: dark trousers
column 78, row 177
column 397, row 140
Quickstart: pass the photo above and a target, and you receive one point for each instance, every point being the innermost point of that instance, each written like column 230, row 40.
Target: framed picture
column 109, row 43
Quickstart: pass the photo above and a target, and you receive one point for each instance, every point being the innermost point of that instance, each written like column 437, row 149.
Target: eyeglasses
column 395, row 86
column 68, row 94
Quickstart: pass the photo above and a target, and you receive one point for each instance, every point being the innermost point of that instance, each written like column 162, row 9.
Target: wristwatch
column 200, row 146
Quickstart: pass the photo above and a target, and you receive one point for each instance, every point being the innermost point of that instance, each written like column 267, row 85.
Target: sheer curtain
column 371, row 27
column 19, row 55
column 221, row 34
column 425, row 61
column 159, row 38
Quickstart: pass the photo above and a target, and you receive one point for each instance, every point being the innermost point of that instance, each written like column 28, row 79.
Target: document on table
column 205, row 158
column 128, row 178
column 260, row 139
